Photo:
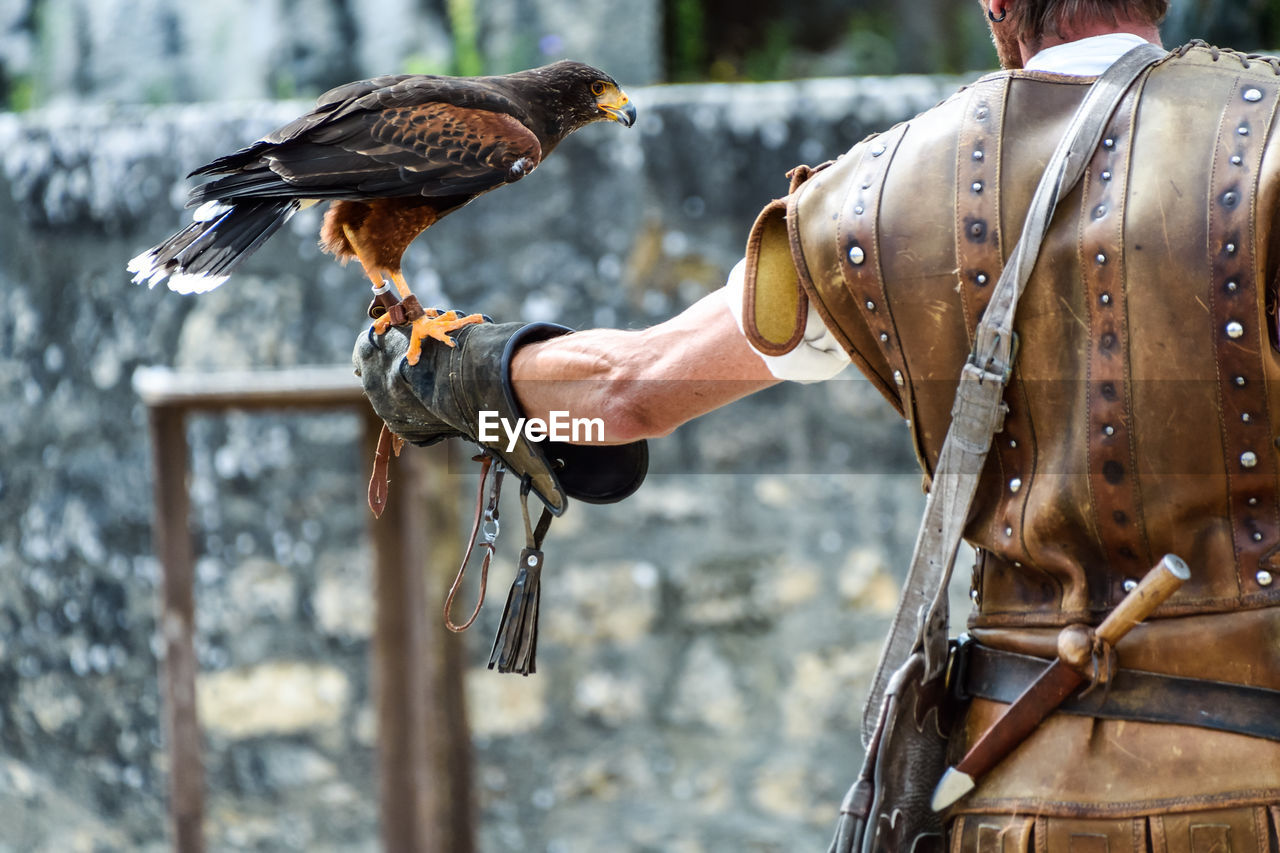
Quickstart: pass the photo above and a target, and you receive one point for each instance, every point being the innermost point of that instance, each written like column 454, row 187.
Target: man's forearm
column 642, row 384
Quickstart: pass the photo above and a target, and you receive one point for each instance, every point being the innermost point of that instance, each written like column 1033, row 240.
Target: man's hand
column 446, row 393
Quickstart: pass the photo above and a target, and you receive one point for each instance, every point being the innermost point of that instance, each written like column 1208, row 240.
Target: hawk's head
column 587, row 94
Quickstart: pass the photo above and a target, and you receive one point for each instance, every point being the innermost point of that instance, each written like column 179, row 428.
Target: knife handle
column 1158, row 584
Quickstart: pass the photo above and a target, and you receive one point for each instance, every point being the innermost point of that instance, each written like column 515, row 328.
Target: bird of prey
column 392, row 155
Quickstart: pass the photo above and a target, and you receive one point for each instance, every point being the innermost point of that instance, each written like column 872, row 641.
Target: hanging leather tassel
column 516, row 645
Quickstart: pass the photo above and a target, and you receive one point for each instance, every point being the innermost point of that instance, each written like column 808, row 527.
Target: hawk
column 391, row 155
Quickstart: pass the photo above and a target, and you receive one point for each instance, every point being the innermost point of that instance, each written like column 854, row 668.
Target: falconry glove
column 443, row 396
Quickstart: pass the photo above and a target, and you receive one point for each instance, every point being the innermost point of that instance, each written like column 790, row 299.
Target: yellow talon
column 437, row 328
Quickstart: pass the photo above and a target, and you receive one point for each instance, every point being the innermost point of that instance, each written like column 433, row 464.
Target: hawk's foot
column 437, row 327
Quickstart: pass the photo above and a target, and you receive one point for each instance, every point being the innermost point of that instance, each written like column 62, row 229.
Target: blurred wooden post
column 177, row 619
column 425, row 767
column 451, row 754
column 423, row 739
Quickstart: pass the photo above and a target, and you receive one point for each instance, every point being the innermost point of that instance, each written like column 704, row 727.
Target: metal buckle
column 992, row 368
column 957, row 672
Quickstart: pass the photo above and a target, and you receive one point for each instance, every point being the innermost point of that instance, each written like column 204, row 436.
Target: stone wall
column 705, row 645
column 162, row 51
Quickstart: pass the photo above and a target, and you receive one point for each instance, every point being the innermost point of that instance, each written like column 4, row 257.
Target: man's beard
column 1006, row 48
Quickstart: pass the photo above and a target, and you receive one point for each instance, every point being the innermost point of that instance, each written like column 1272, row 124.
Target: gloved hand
column 443, row 395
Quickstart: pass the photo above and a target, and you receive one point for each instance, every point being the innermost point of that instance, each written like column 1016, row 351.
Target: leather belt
column 1131, row 695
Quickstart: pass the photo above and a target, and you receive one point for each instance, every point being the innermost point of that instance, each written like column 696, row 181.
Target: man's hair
column 1031, row 20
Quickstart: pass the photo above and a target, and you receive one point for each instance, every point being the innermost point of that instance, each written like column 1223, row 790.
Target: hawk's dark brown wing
column 433, row 150
column 379, row 145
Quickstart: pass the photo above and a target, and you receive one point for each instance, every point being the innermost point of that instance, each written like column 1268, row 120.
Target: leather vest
column 1144, row 406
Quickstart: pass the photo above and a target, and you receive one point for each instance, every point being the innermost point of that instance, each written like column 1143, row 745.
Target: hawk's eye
column 597, row 88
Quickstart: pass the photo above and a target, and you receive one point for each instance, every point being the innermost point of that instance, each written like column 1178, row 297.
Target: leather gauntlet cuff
column 455, row 391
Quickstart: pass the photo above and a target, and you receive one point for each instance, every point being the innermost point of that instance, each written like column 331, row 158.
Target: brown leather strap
column 977, row 201
column 1131, row 694
column 1113, row 481
column 980, row 256
column 399, row 311
column 1242, row 346
column 859, row 246
column 389, row 444
column 412, row 309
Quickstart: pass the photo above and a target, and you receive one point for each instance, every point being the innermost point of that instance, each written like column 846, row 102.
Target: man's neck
column 1086, row 57
column 1083, row 30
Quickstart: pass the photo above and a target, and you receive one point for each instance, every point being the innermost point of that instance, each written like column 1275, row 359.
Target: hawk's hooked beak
column 621, row 110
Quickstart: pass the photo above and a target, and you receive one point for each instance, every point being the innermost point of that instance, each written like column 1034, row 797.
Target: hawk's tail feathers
column 202, row 256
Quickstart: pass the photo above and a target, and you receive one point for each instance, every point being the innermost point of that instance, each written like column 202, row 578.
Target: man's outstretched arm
column 642, row 384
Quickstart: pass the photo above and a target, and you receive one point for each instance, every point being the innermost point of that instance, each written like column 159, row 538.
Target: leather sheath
column 1144, row 405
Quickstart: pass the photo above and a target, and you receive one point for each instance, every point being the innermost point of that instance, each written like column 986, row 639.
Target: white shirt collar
column 1087, row 57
